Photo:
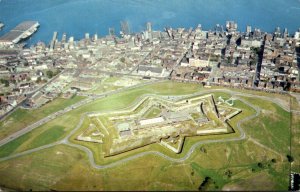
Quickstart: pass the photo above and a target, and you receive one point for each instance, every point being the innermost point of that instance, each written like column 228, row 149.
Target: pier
column 21, row 31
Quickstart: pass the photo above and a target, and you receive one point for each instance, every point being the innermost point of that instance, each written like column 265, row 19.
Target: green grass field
column 12, row 146
column 295, row 148
column 48, row 136
column 67, row 168
column 69, row 120
column 272, row 127
column 22, row 117
column 31, row 140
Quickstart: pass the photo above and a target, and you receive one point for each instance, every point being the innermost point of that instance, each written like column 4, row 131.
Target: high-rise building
column 71, row 39
column 87, row 36
column 218, row 28
column 297, row 35
column 248, row 29
column 198, row 29
column 125, row 28
column 257, row 32
column 148, row 32
column 52, row 43
column 96, row 37
column 277, row 32
column 285, row 33
column 149, row 26
column 132, row 42
column 71, row 42
column 231, row 26
column 64, row 38
column 111, row 31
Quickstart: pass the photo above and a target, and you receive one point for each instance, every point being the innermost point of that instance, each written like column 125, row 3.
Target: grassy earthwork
column 258, row 162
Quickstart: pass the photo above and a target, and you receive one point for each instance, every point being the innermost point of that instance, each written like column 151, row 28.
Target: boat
column 1, row 25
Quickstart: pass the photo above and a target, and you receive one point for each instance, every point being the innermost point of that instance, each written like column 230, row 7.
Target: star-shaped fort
column 159, row 119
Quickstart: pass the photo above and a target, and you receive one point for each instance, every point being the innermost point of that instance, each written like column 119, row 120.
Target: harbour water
column 76, row 17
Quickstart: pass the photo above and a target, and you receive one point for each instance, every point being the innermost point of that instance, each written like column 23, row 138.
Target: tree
column 122, row 59
column 229, row 60
column 273, row 160
column 228, row 173
column 290, row 158
column 39, row 79
column 205, row 183
column 13, row 81
column 251, row 63
column 5, row 82
column 57, row 71
column 49, row 74
column 202, row 149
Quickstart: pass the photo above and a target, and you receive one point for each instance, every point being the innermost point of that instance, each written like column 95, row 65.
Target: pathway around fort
column 90, row 155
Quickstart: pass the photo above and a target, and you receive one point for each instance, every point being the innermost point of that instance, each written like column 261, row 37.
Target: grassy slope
column 9, row 148
column 295, row 150
column 272, row 127
column 22, row 117
column 69, row 120
column 261, row 93
column 31, row 140
column 63, row 167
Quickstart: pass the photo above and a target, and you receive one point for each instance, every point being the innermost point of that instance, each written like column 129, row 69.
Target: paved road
column 28, row 95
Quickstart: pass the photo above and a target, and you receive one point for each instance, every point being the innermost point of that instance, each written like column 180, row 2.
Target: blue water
column 76, row 17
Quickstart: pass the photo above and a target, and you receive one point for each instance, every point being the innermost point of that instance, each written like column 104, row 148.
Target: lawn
column 10, row 147
column 67, row 168
column 97, row 149
column 22, row 117
column 41, row 170
column 295, row 147
column 152, row 113
column 36, row 138
column 242, row 159
column 272, row 127
column 260, row 93
column 69, row 120
column 49, row 136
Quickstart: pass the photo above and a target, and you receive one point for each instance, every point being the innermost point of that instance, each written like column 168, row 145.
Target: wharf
column 21, row 31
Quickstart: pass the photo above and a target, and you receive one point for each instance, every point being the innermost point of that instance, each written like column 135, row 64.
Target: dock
column 21, row 31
